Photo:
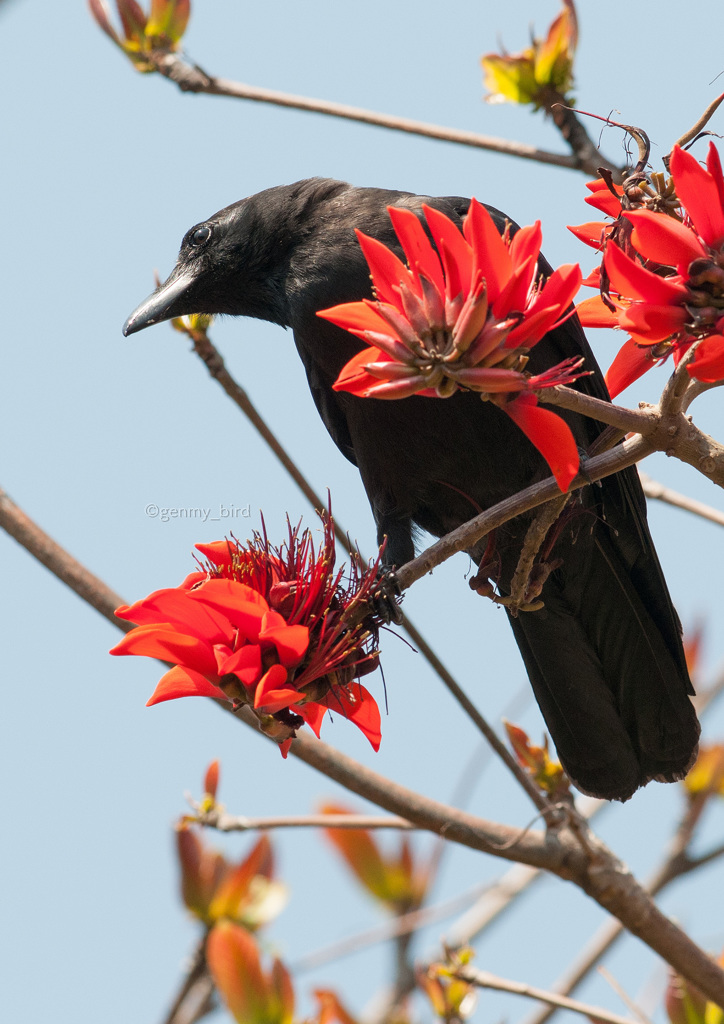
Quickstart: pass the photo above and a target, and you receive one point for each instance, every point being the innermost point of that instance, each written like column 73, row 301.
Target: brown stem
column 193, row 1000
column 42, row 547
column 639, row 421
column 192, row 79
column 223, row 822
column 573, row 131
column 657, row 491
column 483, row 979
column 412, row 921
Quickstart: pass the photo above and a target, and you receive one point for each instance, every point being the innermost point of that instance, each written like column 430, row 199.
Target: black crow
column 604, row 655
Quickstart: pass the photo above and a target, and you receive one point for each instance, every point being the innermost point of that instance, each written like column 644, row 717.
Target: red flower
column 665, row 276
column 464, row 316
column 270, row 628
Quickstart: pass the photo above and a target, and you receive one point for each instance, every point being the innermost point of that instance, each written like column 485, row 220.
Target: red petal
column 359, row 706
column 291, row 642
column 355, row 317
column 699, row 194
column 664, row 240
column 183, row 682
column 244, row 663
column 548, row 307
column 514, row 295
column 387, row 270
column 526, row 243
column 708, row 363
column 594, row 312
column 490, row 379
column 550, row 434
column 633, row 281
column 490, row 253
column 353, row 377
column 392, row 389
column 243, row 606
column 592, row 233
column 312, row 713
column 603, row 199
column 173, row 606
column 652, row 324
column 164, row 642
column 218, row 552
column 456, row 254
column 713, row 164
column 630, row 363
column 420, row 253
column 271, row 694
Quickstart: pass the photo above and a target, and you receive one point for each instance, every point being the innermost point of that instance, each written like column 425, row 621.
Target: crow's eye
column 200, row 235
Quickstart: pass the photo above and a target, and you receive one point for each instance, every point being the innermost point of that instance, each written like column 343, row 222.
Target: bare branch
column 702, row 122
column 654, row 489
column 483, row 979
column 191, row 78
column 405, row 924
column 223, row 822
column 50, row 554
column 194, row 999
column 639, row 421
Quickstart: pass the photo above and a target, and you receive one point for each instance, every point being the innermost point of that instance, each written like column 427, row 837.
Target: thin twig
column 483, row 979
column 657, row 491
column 191, row 78
column 193, row 998
column 223, row 822
column 624, row 996
column 701, row 122
column 403, row 925
column 639, row 421
column 55, row 558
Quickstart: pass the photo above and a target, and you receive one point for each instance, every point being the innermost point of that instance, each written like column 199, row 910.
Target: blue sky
column 105, row 169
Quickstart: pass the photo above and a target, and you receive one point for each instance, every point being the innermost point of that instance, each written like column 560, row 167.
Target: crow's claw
column 386, row 597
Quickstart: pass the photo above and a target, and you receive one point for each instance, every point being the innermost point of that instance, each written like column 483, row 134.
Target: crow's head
column 237, row 261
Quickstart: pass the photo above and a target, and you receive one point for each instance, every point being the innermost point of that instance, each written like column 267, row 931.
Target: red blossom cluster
column 272, row 628
column 662, row 274
column 464, row 314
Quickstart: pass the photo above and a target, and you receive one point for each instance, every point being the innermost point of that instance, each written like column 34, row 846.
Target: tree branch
column 657, row 491
column 190, row 78
column 223, row 822
column 483, row 979
column 405, row 924
column 68, row 570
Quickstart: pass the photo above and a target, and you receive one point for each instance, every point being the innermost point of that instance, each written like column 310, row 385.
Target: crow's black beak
column 169, row 300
